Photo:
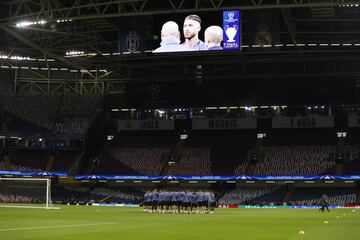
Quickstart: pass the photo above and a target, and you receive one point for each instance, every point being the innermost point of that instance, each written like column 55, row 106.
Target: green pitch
column 94, row 223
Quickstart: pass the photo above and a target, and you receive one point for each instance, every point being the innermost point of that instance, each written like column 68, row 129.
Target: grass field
column 90, row 223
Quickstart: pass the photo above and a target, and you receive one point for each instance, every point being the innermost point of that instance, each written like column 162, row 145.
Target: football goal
column 25, row 193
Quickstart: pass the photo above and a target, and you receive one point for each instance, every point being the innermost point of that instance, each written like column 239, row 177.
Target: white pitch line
column 32, row 207
column 60, row 226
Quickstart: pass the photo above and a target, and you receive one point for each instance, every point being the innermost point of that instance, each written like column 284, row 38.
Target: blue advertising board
column 220, row 178
column 34, row 173
column 185, row 178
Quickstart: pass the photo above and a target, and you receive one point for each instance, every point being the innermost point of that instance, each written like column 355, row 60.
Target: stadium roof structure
column 71, row 43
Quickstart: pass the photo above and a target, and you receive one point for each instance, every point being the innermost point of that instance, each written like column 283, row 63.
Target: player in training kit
column 146, row 202
column 211, row 202
column 324, row 203
column 154, row 200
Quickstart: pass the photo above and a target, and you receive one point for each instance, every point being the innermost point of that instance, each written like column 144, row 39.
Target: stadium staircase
column 339, row 169
column 250, row 170
column 7, row 161
column 110, row 196
column 73, row 170
column 174, row 156
column 94, row 139
column 50, row 163
column 225, row 160
column 100, row 165
column 165, row 170
column 341, row 156
column 58, row 115
column 92, row 167
column 288, row 194
column 3, row 115
column 254, row 157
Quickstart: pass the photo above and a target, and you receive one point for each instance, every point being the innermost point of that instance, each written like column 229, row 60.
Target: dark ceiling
column 314, row 56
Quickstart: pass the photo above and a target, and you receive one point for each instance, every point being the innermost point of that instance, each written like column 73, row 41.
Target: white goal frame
column 48, row 204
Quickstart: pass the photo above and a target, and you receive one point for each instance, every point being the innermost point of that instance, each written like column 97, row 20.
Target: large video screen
column 188, row 35
column 183, row 33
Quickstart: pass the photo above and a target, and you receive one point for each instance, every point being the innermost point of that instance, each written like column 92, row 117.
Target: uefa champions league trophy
column 230, row 32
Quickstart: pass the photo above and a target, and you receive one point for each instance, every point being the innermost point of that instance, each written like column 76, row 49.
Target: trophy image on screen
column 231, row 32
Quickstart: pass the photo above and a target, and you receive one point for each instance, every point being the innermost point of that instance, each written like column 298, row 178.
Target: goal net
column 25, row 193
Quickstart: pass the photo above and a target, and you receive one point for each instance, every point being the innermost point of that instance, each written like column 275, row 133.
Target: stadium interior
column 79, row 99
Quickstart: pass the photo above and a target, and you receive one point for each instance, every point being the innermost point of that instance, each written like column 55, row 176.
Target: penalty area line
column 59, row 226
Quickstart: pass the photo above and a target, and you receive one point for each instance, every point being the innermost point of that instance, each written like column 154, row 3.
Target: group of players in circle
column 179, row 202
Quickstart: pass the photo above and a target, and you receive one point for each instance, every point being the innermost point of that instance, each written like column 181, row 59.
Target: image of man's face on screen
column 191, row 29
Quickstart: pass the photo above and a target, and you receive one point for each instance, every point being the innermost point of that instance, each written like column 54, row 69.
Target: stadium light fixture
column 183, row 136
column 72, row 53
column 348, row 5
column 341, row 134
column 63, row 20
column 18, row 58
column 24, row 24
column 261, row 135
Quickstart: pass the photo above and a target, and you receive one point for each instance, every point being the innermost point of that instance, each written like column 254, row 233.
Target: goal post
column 25, row 193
